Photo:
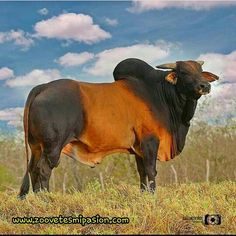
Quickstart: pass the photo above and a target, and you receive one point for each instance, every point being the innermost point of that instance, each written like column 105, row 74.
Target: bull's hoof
column 145, row 189
column 152, row 191
column 21, row 197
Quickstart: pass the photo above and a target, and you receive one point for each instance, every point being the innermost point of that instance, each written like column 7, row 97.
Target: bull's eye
column 184, row 73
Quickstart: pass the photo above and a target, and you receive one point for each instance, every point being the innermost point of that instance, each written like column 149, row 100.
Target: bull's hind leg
column 149, row 147
column 33, row 169
column 49, row 159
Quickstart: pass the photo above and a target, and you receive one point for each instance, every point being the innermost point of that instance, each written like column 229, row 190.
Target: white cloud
column 66, row 43
column 71, row 26
column 6, row 73
column 220, row 104
column 19, row 37
column 108, row 59
column 13, row 116
column 34, row 77
column 43, row 11
column 222, row 65
column 2, row 37
column 111, row 22
column 139, row 6
column 221, row 101
column 74, row 59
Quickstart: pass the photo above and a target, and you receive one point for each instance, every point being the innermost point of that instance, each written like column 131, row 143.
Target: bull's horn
column 200, row 62
column 167, row 66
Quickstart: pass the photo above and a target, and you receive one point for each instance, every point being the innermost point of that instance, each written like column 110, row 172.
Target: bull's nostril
column 204, row 87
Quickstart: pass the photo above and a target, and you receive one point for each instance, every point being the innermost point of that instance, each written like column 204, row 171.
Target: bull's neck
column 171, row 108
column 181, row 108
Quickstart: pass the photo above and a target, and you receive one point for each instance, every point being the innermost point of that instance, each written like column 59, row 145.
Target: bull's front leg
column 142, row 173
column 141, row 170
column 149, row 148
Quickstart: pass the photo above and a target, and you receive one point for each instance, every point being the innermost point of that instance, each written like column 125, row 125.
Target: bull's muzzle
column 204, row 88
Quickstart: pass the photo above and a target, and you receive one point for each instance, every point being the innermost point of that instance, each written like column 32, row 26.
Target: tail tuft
column 24, row 190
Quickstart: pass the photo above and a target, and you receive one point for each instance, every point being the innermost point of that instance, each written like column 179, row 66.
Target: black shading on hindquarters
column 53, row 117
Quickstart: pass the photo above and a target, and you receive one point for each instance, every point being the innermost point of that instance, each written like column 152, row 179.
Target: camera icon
column 212, row 219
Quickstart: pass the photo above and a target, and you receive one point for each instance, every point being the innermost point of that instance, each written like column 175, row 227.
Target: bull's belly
column 91, row 157
column 96, row 143
column 107, row 136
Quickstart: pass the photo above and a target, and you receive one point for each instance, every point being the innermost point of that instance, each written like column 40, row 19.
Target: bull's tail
column 24, row 190
column 26, row 181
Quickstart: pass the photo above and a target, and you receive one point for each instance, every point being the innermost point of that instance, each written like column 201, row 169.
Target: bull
column 145, row 112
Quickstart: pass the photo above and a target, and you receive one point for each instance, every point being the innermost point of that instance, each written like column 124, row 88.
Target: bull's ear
column 209, row 76
column 171, row 78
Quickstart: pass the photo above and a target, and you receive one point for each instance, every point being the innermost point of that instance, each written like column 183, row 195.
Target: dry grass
column 161, row 213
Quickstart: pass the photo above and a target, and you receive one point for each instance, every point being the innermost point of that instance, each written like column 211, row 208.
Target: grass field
column 162, row 213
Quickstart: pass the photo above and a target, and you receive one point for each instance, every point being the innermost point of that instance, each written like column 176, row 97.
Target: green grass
column 161, row 213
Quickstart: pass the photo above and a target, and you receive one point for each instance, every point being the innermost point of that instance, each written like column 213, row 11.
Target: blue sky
column 43, row 41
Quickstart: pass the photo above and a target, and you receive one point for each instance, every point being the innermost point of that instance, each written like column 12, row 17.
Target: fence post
column 64, row 183
column 175, row 173
column 53, row 181
column 207, row 170
column 101, row 180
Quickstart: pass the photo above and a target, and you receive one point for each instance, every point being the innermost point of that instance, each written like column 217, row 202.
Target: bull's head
column 189, row 78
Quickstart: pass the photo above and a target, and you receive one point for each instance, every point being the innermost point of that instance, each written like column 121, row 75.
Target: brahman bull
column 146, row 112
